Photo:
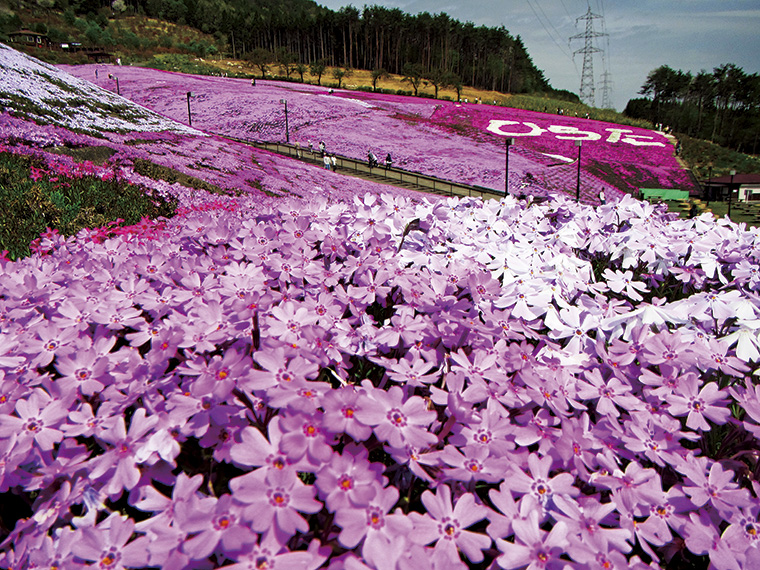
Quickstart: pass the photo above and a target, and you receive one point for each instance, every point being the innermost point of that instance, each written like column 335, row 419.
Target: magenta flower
column 533, row 547
column 699, row 405
column 211, row 522
column 349, row 480
column 374, row 525
column 274, row 498
column 119, row 461
column 538, row 484
column 38, row 420
column 399, row 421
column 340, row 408
column 108, row 544
column 446, row 525
column 712, row 484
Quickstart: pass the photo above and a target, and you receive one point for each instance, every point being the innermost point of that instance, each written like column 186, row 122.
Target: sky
column 690, row 35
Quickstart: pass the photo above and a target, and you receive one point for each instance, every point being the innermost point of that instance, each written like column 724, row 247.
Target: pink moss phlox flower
column 38, row 419
column 304, row 439
column 619, row 281
column 211, row 522
column 472, row 463
column 608, row 395
column 274, row 498
column 708, row 482
column 374, row 525
column 702, row 537
column 631, row 487
column 533, row 548
column 539, row 484
column 589, row 525
column 446, row 525
column 278, row 368
column 119, row 460
column 350, row 480
column 270, row 552
column 398, row 420
column 340, row 407
column 699, row 405
column 109, row 546
column 663, row 515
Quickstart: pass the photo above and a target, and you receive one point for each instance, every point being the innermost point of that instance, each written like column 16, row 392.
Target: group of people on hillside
column 373, row 162
column 330, row 161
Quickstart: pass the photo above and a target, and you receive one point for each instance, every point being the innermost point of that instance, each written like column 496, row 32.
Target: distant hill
column 436, row 47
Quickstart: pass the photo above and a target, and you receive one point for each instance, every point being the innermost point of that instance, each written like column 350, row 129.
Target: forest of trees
column 722, row 106
column 436, row 47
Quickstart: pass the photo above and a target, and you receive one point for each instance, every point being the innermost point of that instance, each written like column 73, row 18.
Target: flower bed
column 384, row 381
column 375, row 381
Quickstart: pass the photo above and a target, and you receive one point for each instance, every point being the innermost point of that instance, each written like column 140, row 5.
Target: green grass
column 158, row 172
column 66, row 204
column 701, row 155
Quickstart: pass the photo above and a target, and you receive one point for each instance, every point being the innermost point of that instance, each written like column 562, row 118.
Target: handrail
column 422, row 181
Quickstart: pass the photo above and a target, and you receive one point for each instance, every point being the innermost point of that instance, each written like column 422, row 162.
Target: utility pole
column 588, row 50
column 509, row 142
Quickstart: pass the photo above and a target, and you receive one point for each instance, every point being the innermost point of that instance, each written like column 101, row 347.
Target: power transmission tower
column 606, row 88
column 588, row 50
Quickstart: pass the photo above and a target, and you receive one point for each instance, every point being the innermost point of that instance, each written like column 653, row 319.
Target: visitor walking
column 388, row 161
column 326, row 161
column 371, row 159
column 298, row 149
column 602, row 198
column 334, row 163
column 322, row 147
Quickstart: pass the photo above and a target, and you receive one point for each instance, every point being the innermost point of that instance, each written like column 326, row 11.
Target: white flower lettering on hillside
column 616, row 135
column 566, row 132
column 495, row 127
column 575, row 134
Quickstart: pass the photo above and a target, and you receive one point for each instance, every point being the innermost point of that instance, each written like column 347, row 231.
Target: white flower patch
column 45, row 93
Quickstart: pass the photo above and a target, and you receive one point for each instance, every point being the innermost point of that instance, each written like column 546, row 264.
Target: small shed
column 29, row 38
column 743, row 187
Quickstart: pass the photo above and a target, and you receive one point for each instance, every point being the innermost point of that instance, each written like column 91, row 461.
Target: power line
column 543, row 25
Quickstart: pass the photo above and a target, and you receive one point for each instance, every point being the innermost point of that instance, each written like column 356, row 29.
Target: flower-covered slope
column 33, row 91
column 379, row 382
column 462, row 142
column 37, row 90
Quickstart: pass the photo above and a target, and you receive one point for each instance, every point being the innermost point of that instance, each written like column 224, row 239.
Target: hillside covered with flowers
column 312, row 371
column 464, row 142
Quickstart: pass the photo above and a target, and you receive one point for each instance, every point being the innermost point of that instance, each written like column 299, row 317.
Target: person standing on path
column 388, row 161
column 326, row 160
column 334, row 163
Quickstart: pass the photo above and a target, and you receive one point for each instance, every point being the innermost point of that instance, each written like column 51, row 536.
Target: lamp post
column 709, row 183
column 509, row 142
column 189, row 116
column 287, row 131
column 118, row 91
column 579, row 144
column 730, row 191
